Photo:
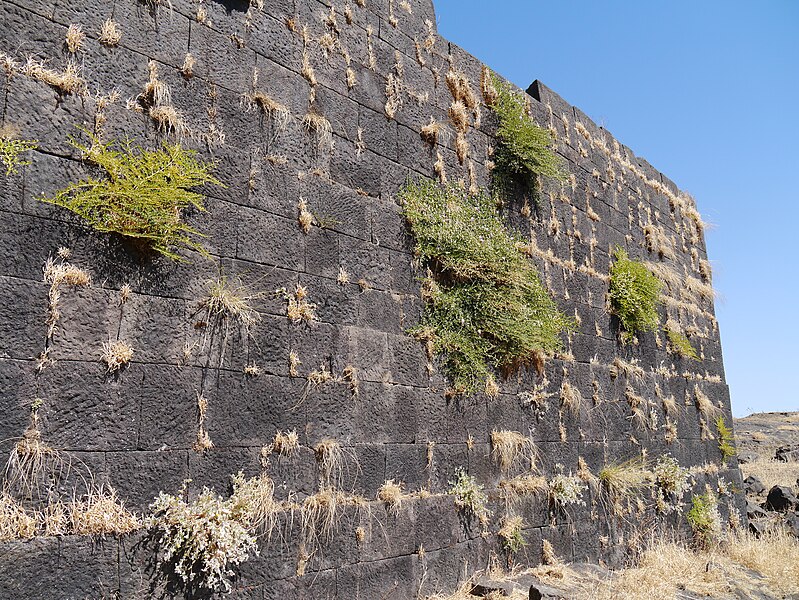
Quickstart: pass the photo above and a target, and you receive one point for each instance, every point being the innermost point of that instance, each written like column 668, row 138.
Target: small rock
column 747, row 457
column 758, row 527
column 753, row 511
column 781, row 499
column 544, row 592
column 792, row 524
column 787, row 454
column 752, row 485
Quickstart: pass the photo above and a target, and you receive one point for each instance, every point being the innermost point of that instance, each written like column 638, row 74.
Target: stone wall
column 379, row 73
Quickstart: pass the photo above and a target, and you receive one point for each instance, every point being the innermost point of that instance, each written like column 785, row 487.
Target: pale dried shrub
column 229, row 301
column 253, row 503
column 110, row 33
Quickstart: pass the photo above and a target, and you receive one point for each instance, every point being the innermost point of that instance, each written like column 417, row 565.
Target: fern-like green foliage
column 524, row 149
column 680, row 345
column 704, row 519
column 485, row 304
column 10, row 151
column 140, row 194
column 726, row 439
column 634, row 294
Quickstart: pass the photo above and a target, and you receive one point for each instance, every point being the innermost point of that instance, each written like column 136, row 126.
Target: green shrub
column 680, row 345
column 726, row 439
column 10, row 150
column 469, row 495
column 704, row 519
column 524, row 149
column 485, row 306
column 141, row 193
column 634, row 294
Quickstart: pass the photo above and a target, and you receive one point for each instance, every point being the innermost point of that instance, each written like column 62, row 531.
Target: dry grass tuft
column 331, row 458
column 317, row 125
column 74, row 38
column 304, row 217
column 187, row 68
column 100, row 513
column 523, row 485
column 390, row 493
column 67, row 81
column 299, row 309
column 15, row 523
column 570, row 397
column 203, row 441
column 253, row 502
column 230, row 302
column 116, row 354
column 110, row 33
column 286, row 443
column 630, row 369
column 704, row 405
column 58, row 274
column 431, row 132
column 626, row 479
column 510, row 447
column 273, row 110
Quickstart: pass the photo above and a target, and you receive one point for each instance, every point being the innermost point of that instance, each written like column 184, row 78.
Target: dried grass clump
column 461, row 88
column 459, row 116
column 116, row 354
column 657, row 241
column 304, row 217
column 431, row 132
column 630, row 369
column 511, row 534
column 390, row 493
column 253, row 503
column 74, row 38
column 704, row 405
column 67, row 81
column 286, row 443
column 229, row 301
column 15, row 523
column 317, row 125
column 203, row 441
column 101, row 513
column 110, row 33
column 332, row 460
column 273, row 110
column 570, row 397
column 626, row 479
column 299, row 309
column 510, row 447
column 58, row 274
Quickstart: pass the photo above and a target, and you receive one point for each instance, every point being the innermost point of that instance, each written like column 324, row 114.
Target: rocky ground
column 768, row 452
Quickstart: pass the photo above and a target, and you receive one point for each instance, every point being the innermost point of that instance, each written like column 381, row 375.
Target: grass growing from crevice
column 726, row 439
column 524, row 149
column 680, row 345
column 141, row 193
column 485, row 304
column 469, row 496
column 634, row 295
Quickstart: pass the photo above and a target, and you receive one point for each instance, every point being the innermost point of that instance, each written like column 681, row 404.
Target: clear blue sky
column 708, row 92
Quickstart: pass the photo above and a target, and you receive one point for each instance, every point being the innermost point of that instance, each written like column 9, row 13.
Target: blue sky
column 708, row 92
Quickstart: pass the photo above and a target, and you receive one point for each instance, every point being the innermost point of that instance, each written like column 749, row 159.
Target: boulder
column 787, row 454
column 781, row 499
column 747, row 457
column 752, row 485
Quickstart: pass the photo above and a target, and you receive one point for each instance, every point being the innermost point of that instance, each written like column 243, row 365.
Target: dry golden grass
column 229, row 301
column 273, row 110
column 110, row 33
column 772, row 472
column 74, row 38
column 630, row 369
column 203, row 441
column 332, row 460
column 286, row 443
column 431, row 132
column 101, row 512
column 298, row 308
column 253, row 501
column 15, row 523
column 703, row 404
column 317, row 125
column 570, row 398
column 511, row 447
column 304, row 217
column 390, row 493
column 626, row 479
column 116, row 354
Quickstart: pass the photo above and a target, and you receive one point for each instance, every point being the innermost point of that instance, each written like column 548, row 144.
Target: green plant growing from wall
column 485, row 306
column 704, row 519
column 469, row 495
column 634, row 295
column 726, row 439
column 511, row 534
column 524, row 149
column 10, row 151
column 141, row 193
column 680, row 345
